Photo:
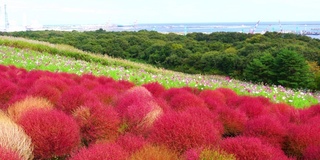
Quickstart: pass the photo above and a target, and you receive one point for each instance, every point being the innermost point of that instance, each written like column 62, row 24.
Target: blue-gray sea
column 311, row 29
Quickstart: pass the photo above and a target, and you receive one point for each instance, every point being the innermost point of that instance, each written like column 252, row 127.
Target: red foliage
column 213, row 98
column 7, row 91
column 311, row 153
column 45, row 91
column 6, row 154
column 268, row 129
column 138, row 109
column 89, row 83
column 75, row 97
column 181, row 102
column 310, row 112
column 192, row 90
column 53, row 133
column 252, row 106
column 105, row 80
column 204, row 114
column 250, row 148
column 192, row 154
column 228, row 93
column 130, row 142
column 233, row 121
column 103, row 151
column 300, row 137
column 285, row 113
column 98, row 123
column 56, row 81
column 106, row 95
column 122, row 85
column 168, row 94
column 155, row 88
column 182, row 131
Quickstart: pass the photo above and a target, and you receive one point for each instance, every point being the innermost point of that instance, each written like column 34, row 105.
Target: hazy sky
column 157, row 11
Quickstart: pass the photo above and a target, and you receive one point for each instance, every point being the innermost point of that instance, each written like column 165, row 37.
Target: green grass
column 32, row 55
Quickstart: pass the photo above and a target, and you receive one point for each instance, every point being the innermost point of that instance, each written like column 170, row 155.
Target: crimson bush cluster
column 102, row 118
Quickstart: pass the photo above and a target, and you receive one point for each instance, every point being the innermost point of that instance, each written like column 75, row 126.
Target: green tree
column 292, row 70
column 260, row 69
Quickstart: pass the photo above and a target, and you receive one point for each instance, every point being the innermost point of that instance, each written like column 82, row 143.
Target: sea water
column 311, row 29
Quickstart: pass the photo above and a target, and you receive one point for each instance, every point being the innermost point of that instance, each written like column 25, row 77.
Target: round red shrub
column 102, row 151
column 45, row 91
column 311, row 153
column 106, row 95
column 131, row 143
column 7, row 91
column 192, row 154
column 252, row 106
column 155, row 88
column 213, row 98
column 266, row 128
column 244, row 148
column 55, row 81
column 75, row 97
column 97, row 123
column 233, row 121
column 168, row 94
column 105, row 80
column 192, row 90
column 181, row 102
column 300, row 137
column 285, row 113
column 138, row 109
column 53, row 133
column 227, row 92
column 183, row 131
column 89, row 83
column 6, row 154
column 204, row 114
column 310, row 112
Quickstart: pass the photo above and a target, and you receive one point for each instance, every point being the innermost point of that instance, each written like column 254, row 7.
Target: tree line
column 272, row 58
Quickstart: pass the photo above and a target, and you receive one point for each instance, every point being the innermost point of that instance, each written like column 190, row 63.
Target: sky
column 49, row 12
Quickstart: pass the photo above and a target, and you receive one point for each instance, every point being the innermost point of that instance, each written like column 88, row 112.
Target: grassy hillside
column 31, row 55
column 247, row 57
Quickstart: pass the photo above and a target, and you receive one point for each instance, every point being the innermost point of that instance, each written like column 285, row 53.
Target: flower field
column 84, row 116
column 142, row 74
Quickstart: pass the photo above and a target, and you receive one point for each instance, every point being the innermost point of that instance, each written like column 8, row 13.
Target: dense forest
column 272, row 58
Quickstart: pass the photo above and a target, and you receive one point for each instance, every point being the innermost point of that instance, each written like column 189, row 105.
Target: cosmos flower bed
column 46, row 115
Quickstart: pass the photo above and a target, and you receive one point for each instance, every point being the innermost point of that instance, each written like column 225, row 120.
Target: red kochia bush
column 285, row 113
column 181, row 102
column 6, row 154
column 7, row 90
column 75, row 97
column 53, row 133
column 102, row 151
column 213, row 98
column 228, row 93
column 45, row 91
column 106, row 95
column 182, row 131
column 168, row 94
column 98, row 123
column 138, row 109
column 300, row 137
column 245, row 148
column 310, row 112
column 131, row 143
column 252, row 106
column 312, row 153
column 269, row 129
column 233, row 121
column 155, row 88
